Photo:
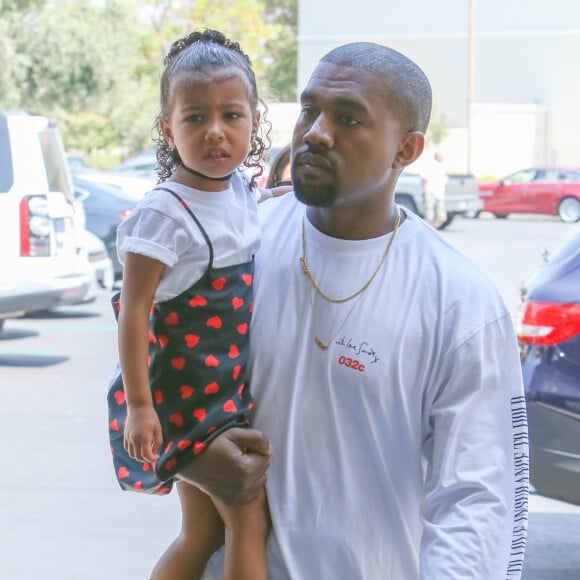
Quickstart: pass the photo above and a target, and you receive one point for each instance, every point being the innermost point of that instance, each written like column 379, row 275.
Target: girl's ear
column 167, row 133
column 410, row 150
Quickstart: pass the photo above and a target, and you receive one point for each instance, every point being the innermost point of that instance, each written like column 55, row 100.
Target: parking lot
column 62, row 514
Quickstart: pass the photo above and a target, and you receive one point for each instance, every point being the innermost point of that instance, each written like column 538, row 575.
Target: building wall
column 525, row 54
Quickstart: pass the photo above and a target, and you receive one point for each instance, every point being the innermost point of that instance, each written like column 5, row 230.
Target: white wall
column 526, row 54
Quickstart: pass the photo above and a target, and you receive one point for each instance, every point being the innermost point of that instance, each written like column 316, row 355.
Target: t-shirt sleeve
column 151, row 233
column 476, row 485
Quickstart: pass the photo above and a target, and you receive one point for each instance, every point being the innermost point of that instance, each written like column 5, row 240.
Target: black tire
column 501, row 216
column 446, row 222
column 569, row 210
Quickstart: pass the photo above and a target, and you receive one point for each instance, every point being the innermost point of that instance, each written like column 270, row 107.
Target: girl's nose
column 214, row 131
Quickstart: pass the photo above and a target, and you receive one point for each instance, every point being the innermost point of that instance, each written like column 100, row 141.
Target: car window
column 571, row 176
column 57, row 172
column 550, row 175
column 6, row 170
column 522, row 176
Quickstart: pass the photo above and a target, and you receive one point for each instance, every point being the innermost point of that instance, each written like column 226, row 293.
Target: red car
column 543, row 190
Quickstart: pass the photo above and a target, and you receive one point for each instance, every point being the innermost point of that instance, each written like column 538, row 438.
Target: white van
column 42, row 264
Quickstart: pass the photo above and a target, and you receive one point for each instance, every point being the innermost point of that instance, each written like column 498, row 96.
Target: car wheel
column 446, row 222
column 569, row 210
column 501, row 216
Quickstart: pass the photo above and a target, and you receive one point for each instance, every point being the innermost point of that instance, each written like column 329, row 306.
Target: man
column 434, row 182
column 385, row 368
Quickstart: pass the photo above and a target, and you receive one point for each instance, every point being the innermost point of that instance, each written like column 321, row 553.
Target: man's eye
column 348, row 120
column 307, row 112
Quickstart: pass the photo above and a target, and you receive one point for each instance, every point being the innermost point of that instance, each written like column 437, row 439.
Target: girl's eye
column 194, row 118
column 232, row 115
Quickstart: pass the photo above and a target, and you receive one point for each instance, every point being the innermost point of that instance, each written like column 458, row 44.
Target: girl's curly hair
column 200, row 52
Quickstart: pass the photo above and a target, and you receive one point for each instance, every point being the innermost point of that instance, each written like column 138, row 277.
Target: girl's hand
column 274, row 192
column 143, row 434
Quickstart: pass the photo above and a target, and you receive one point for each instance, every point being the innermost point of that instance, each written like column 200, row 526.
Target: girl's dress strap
column 188, row 210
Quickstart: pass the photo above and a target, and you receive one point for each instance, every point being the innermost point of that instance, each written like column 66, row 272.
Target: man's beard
column 315, row 196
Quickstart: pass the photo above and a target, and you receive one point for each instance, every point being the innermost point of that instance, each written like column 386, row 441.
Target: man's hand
column 233, row 467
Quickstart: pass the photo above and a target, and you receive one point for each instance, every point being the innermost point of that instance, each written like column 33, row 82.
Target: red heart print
column 161, row 490
column 236, row 372
column 145, row 467
column 250, row 406
column 114, row 425
column 138, row 486
column 230, row 406
column 178, row 363
column 240, row 390
column 168, row 447
column 158, row 396
column 186, row 391
column 163, row 340
column 183, row 444
column 198, row 447
column 211, row 361
column 243, row 328
column 247, row 278
column 152, row 337
column 251, row 308
column 237, row 302
column 170, row 464
column 172, row 319
column 214, row 322
column 119, row 397
column 199, row 414
column 197, row 300
column 219, row 284
column 176, row 419
column 211, row 429
column 211, row 388
column 234, row 352
column 122, row 472
column 191, row 340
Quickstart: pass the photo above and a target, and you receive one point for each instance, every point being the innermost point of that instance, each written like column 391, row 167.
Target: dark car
column 548, row 326
column 537, row 190
column 105, row 207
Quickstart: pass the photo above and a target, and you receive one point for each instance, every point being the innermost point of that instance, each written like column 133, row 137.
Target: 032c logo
column 351, row 363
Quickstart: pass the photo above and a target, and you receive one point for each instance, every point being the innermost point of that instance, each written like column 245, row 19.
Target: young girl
column 188, row 249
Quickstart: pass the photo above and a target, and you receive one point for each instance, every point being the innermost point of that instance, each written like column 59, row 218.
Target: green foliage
column 95, row 66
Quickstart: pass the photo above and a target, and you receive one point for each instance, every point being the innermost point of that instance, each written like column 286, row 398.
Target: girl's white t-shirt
column 162, row 229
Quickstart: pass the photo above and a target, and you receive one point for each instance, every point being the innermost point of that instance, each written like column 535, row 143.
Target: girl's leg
column 202, row 533
column 247, row 527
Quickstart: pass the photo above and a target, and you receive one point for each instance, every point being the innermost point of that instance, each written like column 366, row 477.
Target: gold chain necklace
column 324, row 346
column 306, row 271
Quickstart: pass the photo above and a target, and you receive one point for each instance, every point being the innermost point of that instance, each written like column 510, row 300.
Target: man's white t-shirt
column 401, row 451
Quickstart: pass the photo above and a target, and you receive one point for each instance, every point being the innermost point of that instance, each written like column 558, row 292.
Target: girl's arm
column 141, row 276
column 274, row 192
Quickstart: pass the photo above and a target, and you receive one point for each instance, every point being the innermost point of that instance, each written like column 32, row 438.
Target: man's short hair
column 408, row 90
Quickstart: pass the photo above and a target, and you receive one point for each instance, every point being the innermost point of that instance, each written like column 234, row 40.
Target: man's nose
column 320, row 132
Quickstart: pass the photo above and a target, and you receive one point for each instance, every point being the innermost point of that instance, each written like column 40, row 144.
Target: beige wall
column 525, row 54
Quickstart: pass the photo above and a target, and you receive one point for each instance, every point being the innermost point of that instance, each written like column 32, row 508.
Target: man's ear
column 167, row 133
column 410, row 150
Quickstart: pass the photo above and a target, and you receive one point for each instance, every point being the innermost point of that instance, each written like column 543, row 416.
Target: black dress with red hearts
column 198, row 348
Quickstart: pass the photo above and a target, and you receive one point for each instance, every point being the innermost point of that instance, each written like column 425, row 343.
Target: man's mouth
column 314, row 160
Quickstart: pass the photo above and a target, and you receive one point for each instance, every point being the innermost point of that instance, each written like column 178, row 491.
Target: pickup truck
column 461, row 196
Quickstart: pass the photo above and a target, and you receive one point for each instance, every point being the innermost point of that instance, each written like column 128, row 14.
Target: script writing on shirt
column 358, row 349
